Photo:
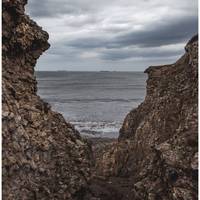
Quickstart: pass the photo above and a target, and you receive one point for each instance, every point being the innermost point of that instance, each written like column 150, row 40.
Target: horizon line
column 83, row 71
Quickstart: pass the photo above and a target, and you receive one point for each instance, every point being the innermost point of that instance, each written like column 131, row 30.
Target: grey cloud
column 172, row 32
column 114, row 31
column 88, row 43
column 148, row 53
column 52, row 8
column 81, row 22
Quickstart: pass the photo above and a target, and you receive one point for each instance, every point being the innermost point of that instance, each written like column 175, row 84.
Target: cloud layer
column 124, row 35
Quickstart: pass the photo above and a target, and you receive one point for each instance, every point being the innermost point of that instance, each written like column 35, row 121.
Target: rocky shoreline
column 44, row 157
column 156, row 155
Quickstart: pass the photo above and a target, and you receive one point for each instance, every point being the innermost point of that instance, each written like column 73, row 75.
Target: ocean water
column 95, row 102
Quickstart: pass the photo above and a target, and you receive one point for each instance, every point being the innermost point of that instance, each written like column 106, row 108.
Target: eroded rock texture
column 43, row 156
column 157, row 152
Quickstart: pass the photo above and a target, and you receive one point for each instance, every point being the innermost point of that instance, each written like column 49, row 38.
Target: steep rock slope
column 43, row 156
column 157, row 151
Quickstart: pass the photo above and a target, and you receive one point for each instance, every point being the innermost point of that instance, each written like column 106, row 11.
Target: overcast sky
column 120, row 35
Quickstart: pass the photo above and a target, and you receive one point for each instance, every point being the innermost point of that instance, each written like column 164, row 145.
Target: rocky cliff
column 156, row 156
column 43, row 156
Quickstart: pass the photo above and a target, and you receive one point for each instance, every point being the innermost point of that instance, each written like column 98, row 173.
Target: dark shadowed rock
column 43, row 156
column 157, row 150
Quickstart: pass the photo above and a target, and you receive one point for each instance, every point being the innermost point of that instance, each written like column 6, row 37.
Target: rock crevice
column 158, row 143
column 44, row 157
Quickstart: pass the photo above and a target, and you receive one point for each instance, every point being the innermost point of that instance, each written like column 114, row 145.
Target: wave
column 98, row 129
column 67, row 100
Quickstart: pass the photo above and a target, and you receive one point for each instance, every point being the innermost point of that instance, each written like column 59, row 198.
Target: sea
column 96, row 103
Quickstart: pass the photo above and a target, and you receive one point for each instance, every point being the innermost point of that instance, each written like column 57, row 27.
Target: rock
column 194, row 162
column 158, row 143
column 43, row 156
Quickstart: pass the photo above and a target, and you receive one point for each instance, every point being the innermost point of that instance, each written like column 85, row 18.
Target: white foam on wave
column 98, row 129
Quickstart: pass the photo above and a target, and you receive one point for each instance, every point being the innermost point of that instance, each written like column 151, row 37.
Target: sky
column 113, row 35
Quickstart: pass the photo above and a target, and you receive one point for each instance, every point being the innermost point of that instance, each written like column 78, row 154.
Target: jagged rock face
column 158, row 144
column 43, row 156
